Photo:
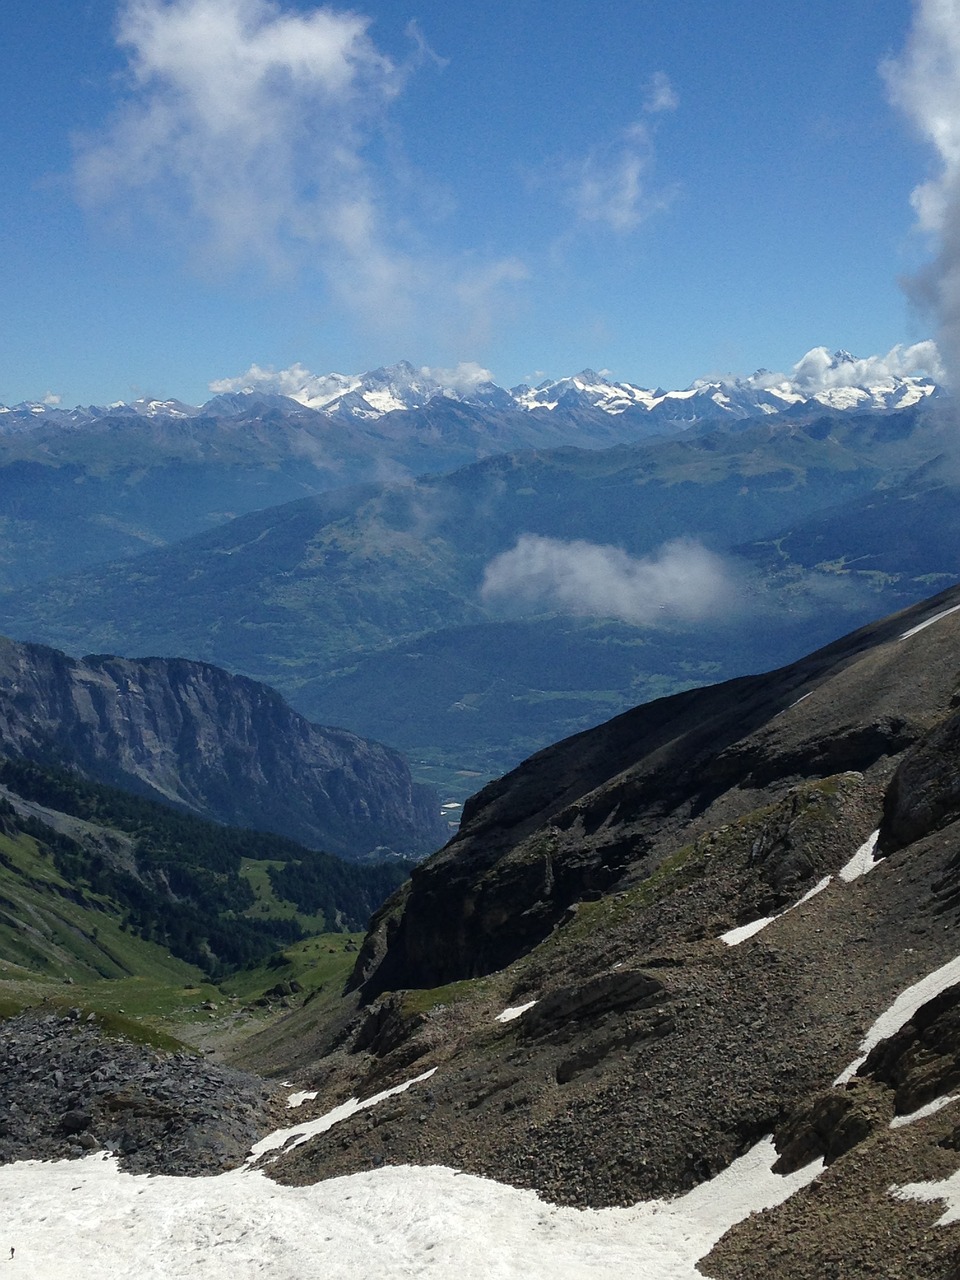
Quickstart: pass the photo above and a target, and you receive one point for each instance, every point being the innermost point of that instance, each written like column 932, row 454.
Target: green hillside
column 97, row 882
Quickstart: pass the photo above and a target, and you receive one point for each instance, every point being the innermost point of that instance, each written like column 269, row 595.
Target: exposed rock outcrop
column 69, row 1089
column 610, row 804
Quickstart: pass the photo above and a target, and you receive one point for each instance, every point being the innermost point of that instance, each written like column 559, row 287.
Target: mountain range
column 436, row 614
column 718, row 924
column 843, row 384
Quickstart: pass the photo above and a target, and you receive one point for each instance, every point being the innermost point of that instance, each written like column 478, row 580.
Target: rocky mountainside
column 656, row 942
column 213, row 744
column 71, row 1087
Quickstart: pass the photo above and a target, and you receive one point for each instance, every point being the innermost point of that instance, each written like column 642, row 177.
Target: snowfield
column 88, row 1220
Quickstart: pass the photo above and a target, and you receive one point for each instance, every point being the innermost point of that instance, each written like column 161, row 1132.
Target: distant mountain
column 215, row 745
column 366, row 607
column 83, row 486
column 843, row 383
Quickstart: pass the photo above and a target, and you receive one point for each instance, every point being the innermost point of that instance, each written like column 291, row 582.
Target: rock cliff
column 214, row 744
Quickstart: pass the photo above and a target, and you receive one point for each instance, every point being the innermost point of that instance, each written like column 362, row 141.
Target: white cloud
column 925, row 83
column 297, row 382
column 661, row 95
column 253, row 134
column 610, row 185
column 318, row 390
column 51, row 400
column 818, row 370
column 241, row 117
column 682, row 579
column 466, row 377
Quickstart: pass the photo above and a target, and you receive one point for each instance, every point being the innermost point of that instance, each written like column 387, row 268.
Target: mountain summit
column 841, row 381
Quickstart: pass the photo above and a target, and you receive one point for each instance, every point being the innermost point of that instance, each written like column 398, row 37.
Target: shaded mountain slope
column 610, row 803
column 98, row 883
column 214, row 744
column 596, row 891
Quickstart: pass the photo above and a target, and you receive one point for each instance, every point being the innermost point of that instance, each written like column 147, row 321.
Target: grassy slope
column 65, row 945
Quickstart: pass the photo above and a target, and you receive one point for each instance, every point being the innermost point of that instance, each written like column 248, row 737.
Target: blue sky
column 661, row 188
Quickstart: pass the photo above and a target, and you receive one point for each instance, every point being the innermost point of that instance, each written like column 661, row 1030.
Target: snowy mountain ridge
column 905, row 376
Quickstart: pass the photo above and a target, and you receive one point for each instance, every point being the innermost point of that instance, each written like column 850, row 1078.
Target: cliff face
column 215, row 744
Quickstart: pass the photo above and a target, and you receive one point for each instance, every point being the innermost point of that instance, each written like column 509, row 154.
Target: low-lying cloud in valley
column 682, row 579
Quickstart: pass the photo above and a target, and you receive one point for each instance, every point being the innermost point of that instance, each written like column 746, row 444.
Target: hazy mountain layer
column 367, row 607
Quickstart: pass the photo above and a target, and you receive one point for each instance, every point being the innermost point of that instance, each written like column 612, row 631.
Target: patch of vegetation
column 422, row 1001
column 169, row 879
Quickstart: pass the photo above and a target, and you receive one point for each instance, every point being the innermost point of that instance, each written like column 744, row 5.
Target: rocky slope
column 214, row 744
column 594, row 892
column 70, row 1089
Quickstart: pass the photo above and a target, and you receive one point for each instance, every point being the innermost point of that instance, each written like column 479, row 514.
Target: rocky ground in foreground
column 68, row 1090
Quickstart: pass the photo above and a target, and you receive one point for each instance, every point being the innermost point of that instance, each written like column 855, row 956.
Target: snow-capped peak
column 839, row 381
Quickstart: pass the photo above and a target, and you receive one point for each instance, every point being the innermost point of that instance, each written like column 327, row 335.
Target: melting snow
column 929, row 622
column 297, row 1134
column 862, row 861
column 508, row 1015
column 931, row 1109
column 902, row 1010
column 298, row 1099
column 948, row 1190
column 88, row 1220
column 733, row 937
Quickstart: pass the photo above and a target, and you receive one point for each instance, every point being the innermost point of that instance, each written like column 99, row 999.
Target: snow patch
column 929, row 622
column 297, row 1134
column 298, row 1099
column 88, row 1220
column 931, row 1109
column 948, row 1190
column 862, row 861
column 902, row 1010
column 733, row 937
column 509, row 1015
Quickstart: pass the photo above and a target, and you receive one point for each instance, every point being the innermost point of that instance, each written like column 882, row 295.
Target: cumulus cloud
column 818, row 370
column 466, row 377
column 680, row 580
column 253, row 133
column 611, row 184
column 52, row 400
column 248, row 119
column 297, row 382
column 925, row 83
